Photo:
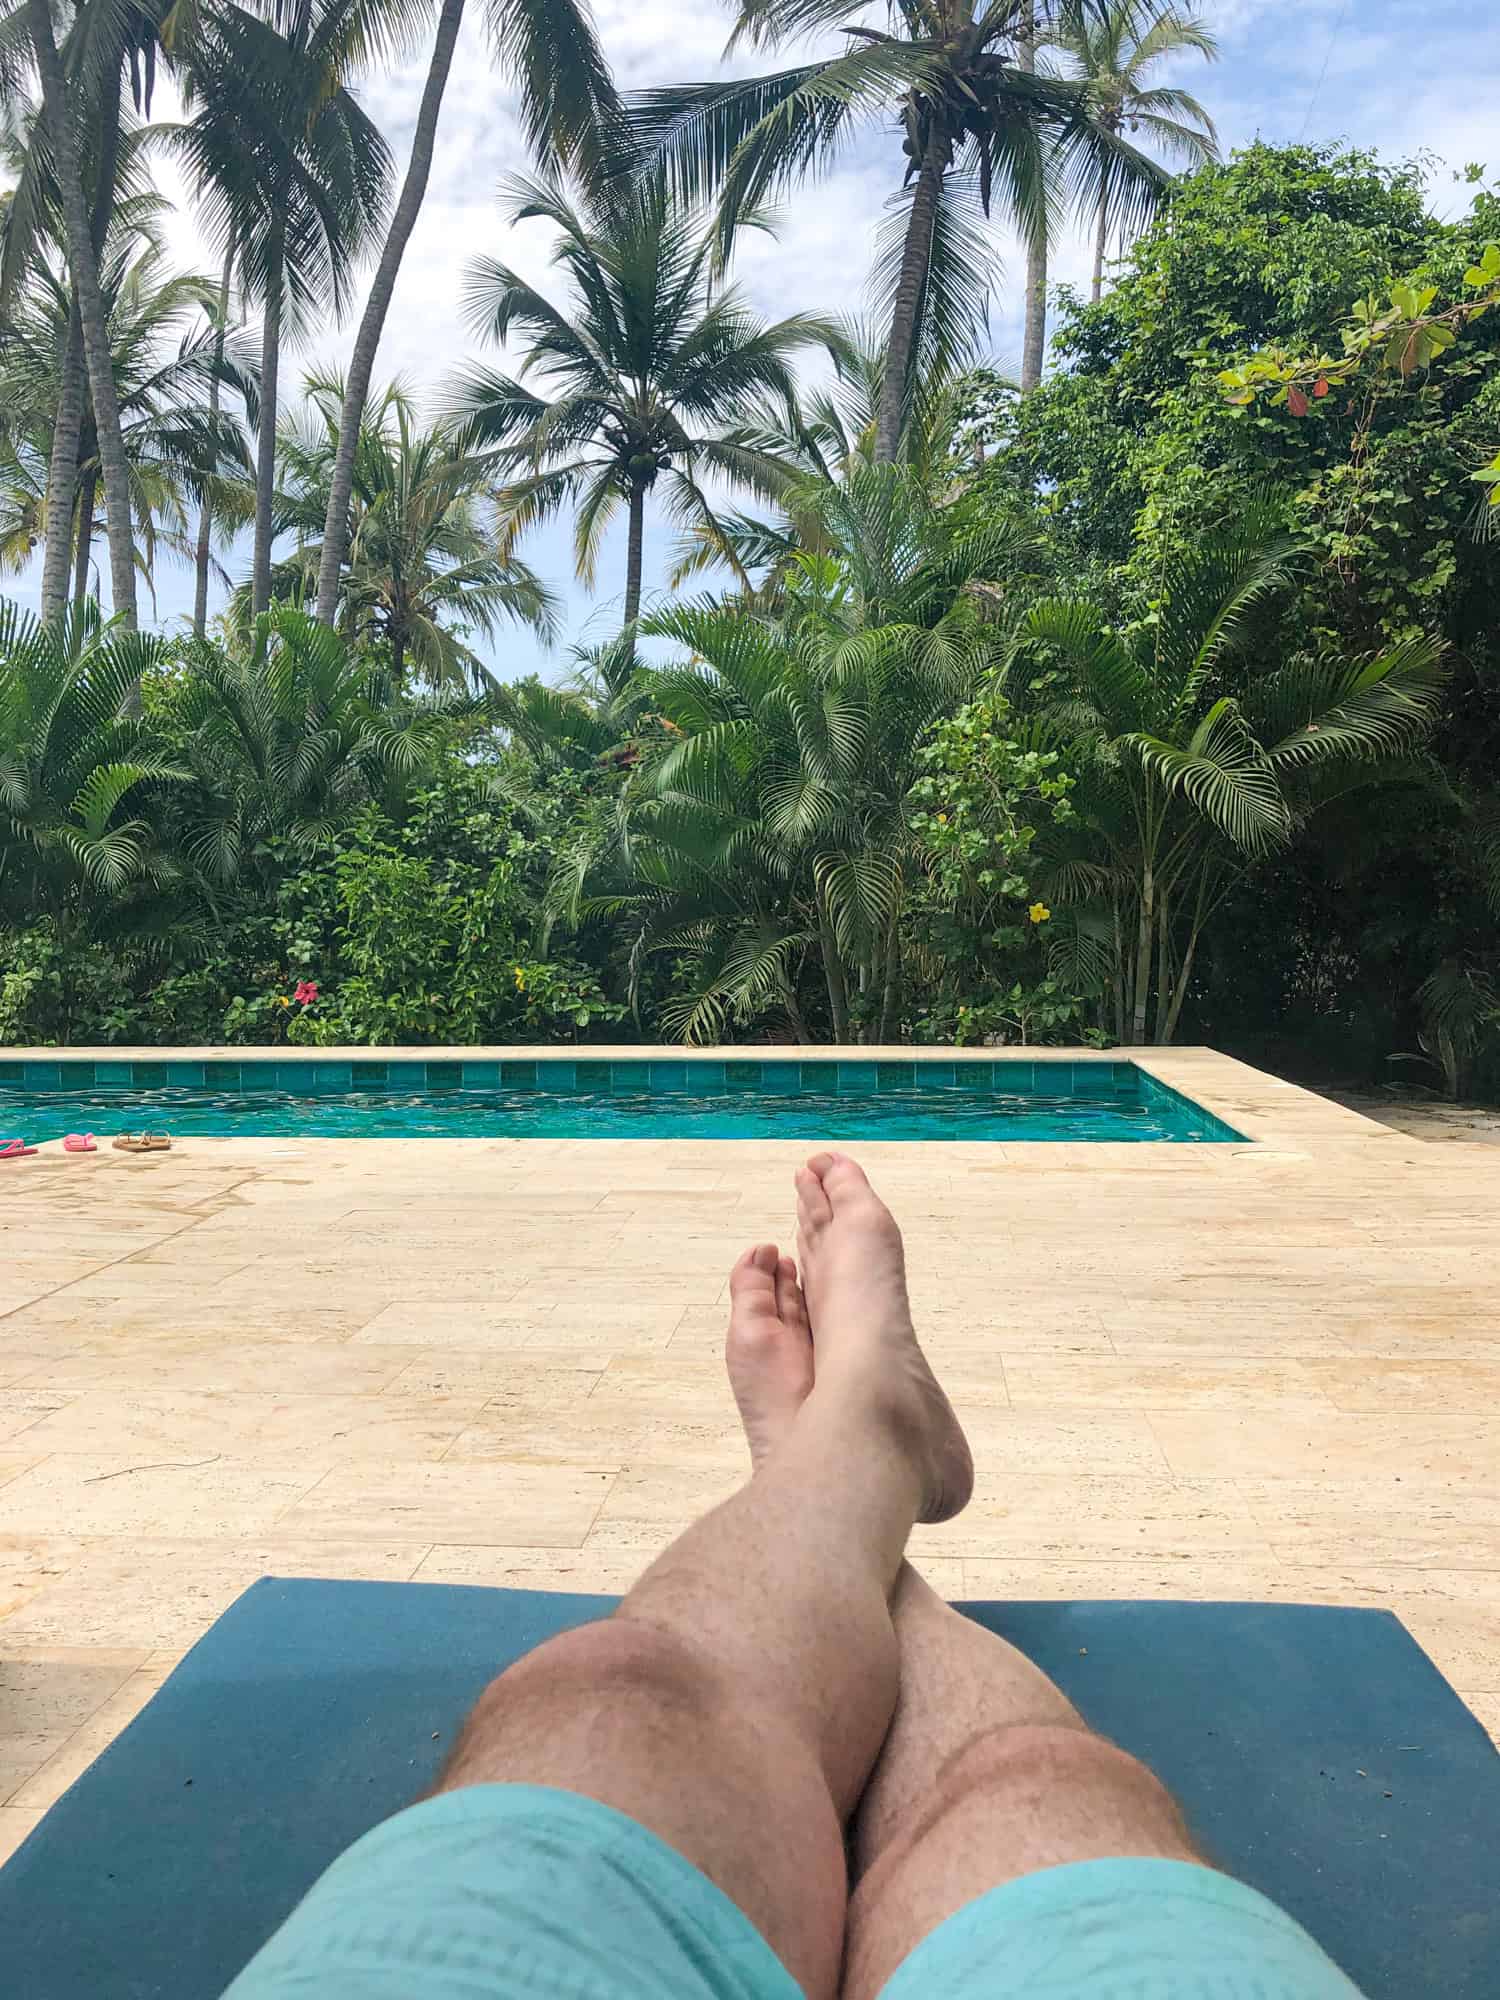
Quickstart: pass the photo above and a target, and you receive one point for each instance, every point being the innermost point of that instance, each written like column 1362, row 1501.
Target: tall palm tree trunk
column 265, row 443
column 916, row 258
column 634, row 552
column 68, row 420
column 372, row 325
column 206, row 512
column 62, row 470
column 1101, row 243
column 1034, row 338
column 86, row 495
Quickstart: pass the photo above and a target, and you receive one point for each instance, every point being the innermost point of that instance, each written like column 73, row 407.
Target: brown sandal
column 143, row 1142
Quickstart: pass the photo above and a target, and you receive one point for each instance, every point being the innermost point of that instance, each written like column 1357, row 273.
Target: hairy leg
column 988, row 1772
column 736, row 1701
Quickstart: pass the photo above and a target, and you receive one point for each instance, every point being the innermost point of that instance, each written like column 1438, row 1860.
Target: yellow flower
column 942, row 819
column 520, row 979
column 1039, row 913
column 282, row 1000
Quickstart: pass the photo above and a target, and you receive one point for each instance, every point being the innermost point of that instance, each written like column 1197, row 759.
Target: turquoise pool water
column 837, row 1101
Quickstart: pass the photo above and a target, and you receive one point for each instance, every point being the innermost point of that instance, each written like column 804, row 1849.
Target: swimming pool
column 642, row 1098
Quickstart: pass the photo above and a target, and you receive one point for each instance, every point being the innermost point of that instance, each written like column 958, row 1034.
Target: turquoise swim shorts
column 517, row 1892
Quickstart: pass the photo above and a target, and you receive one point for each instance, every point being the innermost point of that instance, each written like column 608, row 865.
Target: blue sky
column 1378, row 73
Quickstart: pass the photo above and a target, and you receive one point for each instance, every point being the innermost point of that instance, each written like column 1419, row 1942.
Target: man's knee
column 619, row 1663
column 1062, row 1773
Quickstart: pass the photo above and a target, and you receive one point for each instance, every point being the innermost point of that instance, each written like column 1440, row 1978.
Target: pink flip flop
column 79, row 1142
column 15, row 1149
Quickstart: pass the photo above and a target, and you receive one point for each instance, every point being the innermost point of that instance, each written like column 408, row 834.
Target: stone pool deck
column 1268, row 1371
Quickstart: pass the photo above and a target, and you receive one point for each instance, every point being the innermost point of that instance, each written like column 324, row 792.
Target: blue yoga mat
column 1319, row 1755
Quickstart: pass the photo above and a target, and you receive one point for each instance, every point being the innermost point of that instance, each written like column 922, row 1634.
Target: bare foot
column 768, row 1348
column 854, row 1279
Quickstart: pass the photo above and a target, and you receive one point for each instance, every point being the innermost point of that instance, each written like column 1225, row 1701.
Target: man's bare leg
column 736, row 1701
column 988, row 1771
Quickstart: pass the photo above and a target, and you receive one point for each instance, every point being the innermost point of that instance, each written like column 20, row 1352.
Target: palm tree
column 1112, row 52
column 161, row 373
column 77, row 763
column 954, row 76
column 827, row 438
column 302, row 178
column 285, row 736
column 1034, row 335
column 568, row 110
column 764, row 837
column 173, row 446
column 651, row 365
column 66, row 106
column 425, row 555
column 1182, row 783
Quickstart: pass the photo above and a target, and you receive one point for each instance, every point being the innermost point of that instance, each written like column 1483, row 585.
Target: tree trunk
column 1142, row 995
column 634, row 553
column 83, row 264
column 891, row 988
column 206, row 513
column 1101, row 239
column 85, row 538
column 372, row 325
column 1034, row 343
column 916, row 256
column 265, row 443
column 833, row 974
column 1179, row 992
column 62, row 471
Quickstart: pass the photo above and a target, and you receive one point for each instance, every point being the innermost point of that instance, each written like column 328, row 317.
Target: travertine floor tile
column 543, row 1505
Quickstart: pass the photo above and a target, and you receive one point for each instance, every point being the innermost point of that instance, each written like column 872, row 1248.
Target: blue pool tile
column 706, row 1079
column 369, row 1076
column 557, row 1076
column 445, row 1075
column 597, row 1077
column 974, row 1076
column 1007, row 1077
column 1099, row 1079
column 1053, row 1079
column 222, row 1076
column 742, row 1075
column 77, row 1075
column 296, row 1079
column 670, row 1076
column 780, row 1079
column 113, row 1075
column 406, row 1075
column 335, row 1075
column 934, row 1075
column 14, row 1074
column 819, row 1077
column 185, row 1075
column 481, row 1076
column 42, row 1075
column 859, row 1079
column 896, row 1075
column 149, row 1075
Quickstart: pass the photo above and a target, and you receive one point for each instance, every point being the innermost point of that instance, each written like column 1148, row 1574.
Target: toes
column 814, row 1210
column 841, row 1178
column 790, row 1303
column 752, row 1282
